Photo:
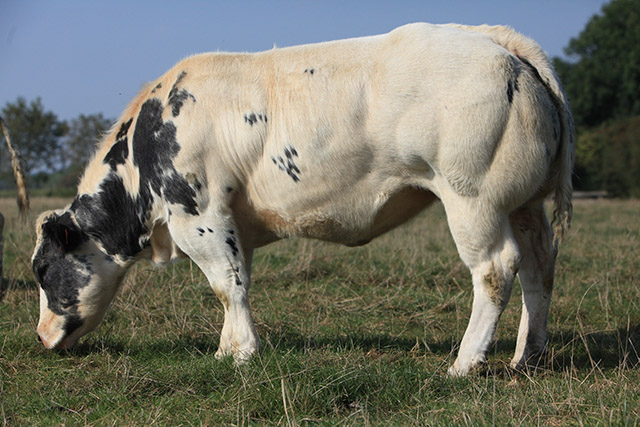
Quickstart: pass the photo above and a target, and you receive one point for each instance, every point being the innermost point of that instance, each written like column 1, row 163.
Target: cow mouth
column 62, row 342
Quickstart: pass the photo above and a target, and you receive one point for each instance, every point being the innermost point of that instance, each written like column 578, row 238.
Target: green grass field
column 349, row 336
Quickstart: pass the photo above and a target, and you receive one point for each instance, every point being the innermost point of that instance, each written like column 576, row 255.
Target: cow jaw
column 50, row 326
column 59, row 332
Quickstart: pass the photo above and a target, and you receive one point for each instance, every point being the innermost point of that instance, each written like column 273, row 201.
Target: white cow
column 339, row 141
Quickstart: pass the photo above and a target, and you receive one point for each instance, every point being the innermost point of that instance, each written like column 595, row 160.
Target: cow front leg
column 213, row 243
column 238, row 337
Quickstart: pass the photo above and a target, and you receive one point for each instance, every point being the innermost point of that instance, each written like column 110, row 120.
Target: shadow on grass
column 618, row 348
column 567, row 350
column 571, row 349
column 364, row 343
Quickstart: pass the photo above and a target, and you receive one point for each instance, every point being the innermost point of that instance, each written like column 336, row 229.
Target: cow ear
column 63, row 232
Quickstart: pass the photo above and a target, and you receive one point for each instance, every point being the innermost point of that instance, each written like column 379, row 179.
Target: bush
column 608, row 158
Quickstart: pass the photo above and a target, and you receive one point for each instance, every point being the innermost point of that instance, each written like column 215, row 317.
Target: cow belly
column 399, row 208
column 362, row 223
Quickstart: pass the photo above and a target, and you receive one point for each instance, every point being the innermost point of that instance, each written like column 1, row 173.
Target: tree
column 84, row 133
column 602, row 77
column 78, row 146
column 37, row 134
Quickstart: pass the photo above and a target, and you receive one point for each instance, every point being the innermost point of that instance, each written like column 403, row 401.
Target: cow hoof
column 221, row 354
column 461, row 369
column 456, row 371
column 531, row 362
column 240, row 356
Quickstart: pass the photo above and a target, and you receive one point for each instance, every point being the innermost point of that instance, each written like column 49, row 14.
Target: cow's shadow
column 568, row 349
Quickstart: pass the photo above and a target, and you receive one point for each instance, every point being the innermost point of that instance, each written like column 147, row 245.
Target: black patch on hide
column 119, row 152
column 177, row 97
column 154, row 148
column 124, row 129
column 231, row 241
column 71, row 323
column 115, row 218
column 512, row 87
column 288, row 163
column 253, row 118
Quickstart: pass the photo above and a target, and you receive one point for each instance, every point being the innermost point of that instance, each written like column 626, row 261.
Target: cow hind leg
column 534, row 237
column 488, row 247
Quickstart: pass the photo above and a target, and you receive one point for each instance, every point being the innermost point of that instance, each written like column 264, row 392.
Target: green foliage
column 608, row 158
column 602, row 77
column 602, row 80
column 55, row 152
column 351, row 336
column 36, row 134
column 80, row 142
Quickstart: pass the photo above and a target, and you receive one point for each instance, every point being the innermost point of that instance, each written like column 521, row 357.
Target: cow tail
column 529, row 52
column 563, row 209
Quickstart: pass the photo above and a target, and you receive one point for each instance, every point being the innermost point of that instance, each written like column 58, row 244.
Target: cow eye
column 41, row 271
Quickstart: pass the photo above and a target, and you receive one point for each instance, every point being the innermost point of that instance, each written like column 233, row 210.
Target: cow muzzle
column 52, row 333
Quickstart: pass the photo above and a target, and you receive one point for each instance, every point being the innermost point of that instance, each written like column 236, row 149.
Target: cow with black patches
column 229, row 152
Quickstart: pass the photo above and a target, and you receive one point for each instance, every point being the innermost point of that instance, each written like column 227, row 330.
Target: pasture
column 349, row 336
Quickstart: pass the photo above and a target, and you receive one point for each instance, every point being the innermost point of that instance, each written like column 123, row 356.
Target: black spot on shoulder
column 177, row 97
column 209, row 230
column 124, row 129
column 310, row 71
column 117, row 219
column 158, row 86
column 118, row 154
column 154, row 148
column 200, row 231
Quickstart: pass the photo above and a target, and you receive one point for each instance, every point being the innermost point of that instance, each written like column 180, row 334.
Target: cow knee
column 496, row 277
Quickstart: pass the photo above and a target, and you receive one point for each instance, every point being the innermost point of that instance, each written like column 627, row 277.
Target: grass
column 350, row 336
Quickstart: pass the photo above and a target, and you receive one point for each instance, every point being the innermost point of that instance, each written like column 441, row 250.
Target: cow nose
column 39, row 339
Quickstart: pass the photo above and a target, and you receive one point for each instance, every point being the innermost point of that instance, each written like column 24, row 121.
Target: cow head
column 77, row 279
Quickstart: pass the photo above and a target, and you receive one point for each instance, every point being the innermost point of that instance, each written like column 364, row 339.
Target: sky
column 90, row 56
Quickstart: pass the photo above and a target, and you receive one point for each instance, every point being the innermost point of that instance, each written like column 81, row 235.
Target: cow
column 339, row 141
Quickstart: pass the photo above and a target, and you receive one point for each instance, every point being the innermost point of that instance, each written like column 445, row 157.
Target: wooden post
column 1, row 248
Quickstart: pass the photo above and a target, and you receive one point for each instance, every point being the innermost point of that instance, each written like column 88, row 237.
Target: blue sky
column 93, row 56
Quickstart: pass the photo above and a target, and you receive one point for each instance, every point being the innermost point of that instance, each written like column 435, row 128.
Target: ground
column 350, row 336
